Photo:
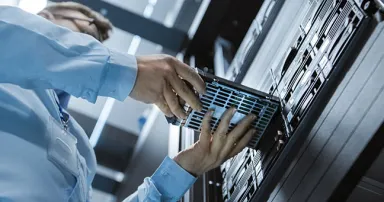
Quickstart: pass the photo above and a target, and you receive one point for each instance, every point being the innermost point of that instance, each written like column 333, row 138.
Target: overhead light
column 33, row 6
column 101, row 121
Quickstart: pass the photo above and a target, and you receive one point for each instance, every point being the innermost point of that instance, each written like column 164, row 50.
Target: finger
column 173, row 102
column 189, row 74
column 236, row 134
column 185, row 92
column 205, row 135
column 219, row 137
column 241, row 128
column 222, row 129
column 162, row 105
column 243, row 142
column 181, row 101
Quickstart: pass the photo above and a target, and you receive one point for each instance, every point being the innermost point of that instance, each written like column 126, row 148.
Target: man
column 44, row 154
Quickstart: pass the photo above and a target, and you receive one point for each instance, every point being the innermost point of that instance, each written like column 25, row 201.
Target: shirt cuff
column 171, row 180
column 120, row 76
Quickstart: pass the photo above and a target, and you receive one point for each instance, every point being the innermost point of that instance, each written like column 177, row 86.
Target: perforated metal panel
column 223, row 94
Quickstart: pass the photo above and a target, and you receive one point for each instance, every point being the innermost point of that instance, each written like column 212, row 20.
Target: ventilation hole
column 259, row 127
column 200, row 113
column 262, row 122
column 206, row 103
column 197, row 121
column 205, row 106
column 211, row 91
column 211, row 88
column 194, row 121
column 245, row 109
column 195, row 116
column 236, row 96
column 220, row 100
column 247, row 101
column 259, row 106
column 261, row 131
column 226, row 90
column 268, row 113
column 218, row 104
column 224, row 97
column 246, row 105
column 221, row 93
column 206, row 100
column 242, row 112
column 193, row 127
column 210, row 94
column 256, row 112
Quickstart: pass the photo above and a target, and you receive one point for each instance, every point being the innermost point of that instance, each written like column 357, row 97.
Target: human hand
column 159, row 82
column 210, row 151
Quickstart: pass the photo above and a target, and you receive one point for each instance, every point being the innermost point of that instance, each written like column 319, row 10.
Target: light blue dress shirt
column 45, row 156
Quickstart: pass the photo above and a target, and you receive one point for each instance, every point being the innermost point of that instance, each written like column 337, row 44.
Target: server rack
column 318, row 65
column 359, row 14
column 252, row 41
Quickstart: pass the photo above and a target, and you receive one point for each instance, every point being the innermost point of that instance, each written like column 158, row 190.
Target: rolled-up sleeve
column 168, row 183
column 35, row 53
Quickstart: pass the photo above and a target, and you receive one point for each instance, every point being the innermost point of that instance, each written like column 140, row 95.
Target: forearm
column 36, row 53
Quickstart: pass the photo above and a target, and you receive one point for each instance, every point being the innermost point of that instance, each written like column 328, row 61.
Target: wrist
column 188, row 164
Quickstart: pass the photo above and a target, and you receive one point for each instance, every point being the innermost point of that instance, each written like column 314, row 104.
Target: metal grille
column 221, row 97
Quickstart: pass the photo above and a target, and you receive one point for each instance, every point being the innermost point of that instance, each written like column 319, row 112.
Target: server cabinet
column 323, row 60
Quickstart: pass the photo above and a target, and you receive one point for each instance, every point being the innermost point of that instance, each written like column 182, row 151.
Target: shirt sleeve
column 35, row 53
column 168, row 183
